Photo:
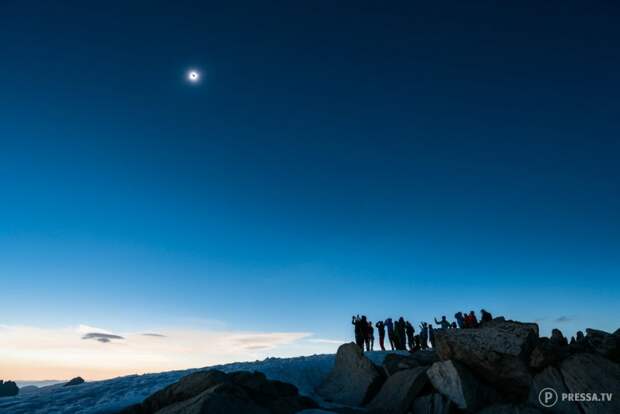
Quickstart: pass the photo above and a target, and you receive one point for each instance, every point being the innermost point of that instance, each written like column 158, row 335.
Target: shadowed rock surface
column 74, row 381
column 454, row 381
column 399, row 391
column 592, row 373
column 498, row 353
column 354, row 379
column 8, row 389
column 215, row 392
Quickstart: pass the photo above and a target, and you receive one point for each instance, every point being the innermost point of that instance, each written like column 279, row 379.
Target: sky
column 406, row 159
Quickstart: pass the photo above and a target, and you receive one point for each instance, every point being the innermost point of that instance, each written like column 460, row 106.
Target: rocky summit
column 499, row 368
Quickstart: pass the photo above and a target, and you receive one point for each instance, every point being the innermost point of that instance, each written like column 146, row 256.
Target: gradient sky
column 413, row 159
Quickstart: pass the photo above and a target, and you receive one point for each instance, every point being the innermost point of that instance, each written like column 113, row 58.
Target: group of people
column 401, row 333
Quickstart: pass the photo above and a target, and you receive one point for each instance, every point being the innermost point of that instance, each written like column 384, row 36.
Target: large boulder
column 74, row 381
column 431, row 404
column 215, row 392
column 222, row 399
column 604, row 343
column 591, row 373
column 399, row 391
column 498, row 353
column 393, row 363
column 453, row 380
column 8, row 389
column 354, row 380
column 551, row 377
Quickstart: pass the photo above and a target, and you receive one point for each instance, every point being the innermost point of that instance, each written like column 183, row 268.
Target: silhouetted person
column 390, row 330
column 453, row 326
column 401, row 334
column 443, row 322
column 381, row 329
column 423, row 335
column 359, row 335
column 460, row 320
column 409, row 330
column 361, row 330
column 470, row 320
column 580, row 336
column 431, row 335
column 485, row 316
column 370, row 340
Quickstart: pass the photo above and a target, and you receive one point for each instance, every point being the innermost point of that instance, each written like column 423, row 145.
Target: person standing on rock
column 381, row 329
column 370, row 339
column 390, row 329
column 410, row 331
column 459, row 319
column 431, row 335
column 400, row 333
column 359, row 332
column 443, row 322
column 423, row 336
column 470, row 320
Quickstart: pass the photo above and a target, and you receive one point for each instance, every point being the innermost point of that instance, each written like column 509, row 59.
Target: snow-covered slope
column 111, row 395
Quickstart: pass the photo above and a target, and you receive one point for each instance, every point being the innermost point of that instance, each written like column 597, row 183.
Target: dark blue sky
column 413, row 159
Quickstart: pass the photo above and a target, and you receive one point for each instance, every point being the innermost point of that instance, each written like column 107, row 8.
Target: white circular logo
column 548, row 397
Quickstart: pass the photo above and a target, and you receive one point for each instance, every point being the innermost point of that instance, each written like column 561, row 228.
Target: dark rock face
column 454, row 381
column 399, row 391
column 547, row 352
column 8, row 389
column 431, row 404
column 74, row 381
column 604, row 343
column 354, row 380
column 551, row 377
column 398, row 362
column 591, row 373
column 215, row 392
column 498, row 353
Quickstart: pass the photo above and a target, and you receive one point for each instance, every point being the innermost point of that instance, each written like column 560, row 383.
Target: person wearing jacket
column 381, row 329
column 460, row 320
column 370, row 340
column 390, row 330
column 443, row 322
column 410, row 335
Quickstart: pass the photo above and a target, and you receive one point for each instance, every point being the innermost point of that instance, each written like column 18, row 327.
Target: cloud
column 563, row 319
column 101, row 337
column 38, row 353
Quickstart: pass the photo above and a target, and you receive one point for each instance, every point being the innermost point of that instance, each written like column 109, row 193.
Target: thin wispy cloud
column 35, row 353
column 563, row 319
column 101, row 337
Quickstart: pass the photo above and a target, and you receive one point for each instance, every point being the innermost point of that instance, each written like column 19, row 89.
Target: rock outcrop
column 604, row 343
column 74, row 381
column 591, row 373
column 215, row 392
column 393, row 363
column 551, row 377
column 354, row 380
column 399, row 391
column 8, row 389
column 498, row 353
column 457, row 383
column 431, row 404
